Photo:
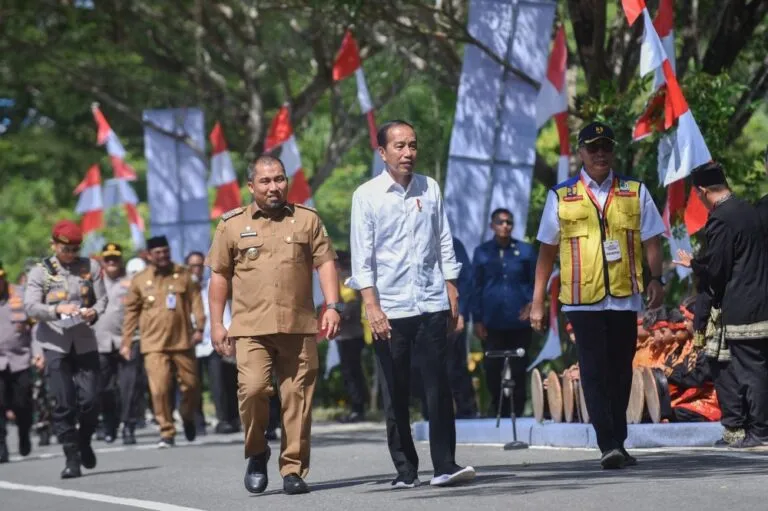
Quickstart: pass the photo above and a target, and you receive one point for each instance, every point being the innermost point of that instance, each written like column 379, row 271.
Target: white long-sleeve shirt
column 401, row 244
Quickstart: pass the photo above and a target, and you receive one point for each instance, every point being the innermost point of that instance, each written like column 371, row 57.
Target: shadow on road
column 118, row 471
column 575, row 475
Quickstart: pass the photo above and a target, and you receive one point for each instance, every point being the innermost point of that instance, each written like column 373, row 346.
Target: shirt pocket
column 629, row 215
column 574, row 221
column 249, row 252
column 298, row 243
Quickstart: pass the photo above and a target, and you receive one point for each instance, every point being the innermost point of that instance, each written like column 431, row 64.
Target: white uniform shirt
column 401, row 244
column 205, row 348
column 651, row 225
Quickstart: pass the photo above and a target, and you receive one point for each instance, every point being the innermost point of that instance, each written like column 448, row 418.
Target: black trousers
column 350, row 355
column 16, row 395
column 73, row 383
column 423, row 338
column 730, row 395
column 461, row 381
column 109, row 398
column 222, row 377
column 606, row 342
column 130, row 374
column 750, row 365
column 507, row 340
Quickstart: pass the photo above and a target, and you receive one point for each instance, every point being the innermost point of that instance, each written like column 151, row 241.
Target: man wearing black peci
column 735, row 264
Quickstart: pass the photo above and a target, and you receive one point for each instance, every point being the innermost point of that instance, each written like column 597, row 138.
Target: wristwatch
column 338, row 307
column 661, row 280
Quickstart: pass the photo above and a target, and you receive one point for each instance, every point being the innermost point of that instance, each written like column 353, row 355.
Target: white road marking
column 96, row 497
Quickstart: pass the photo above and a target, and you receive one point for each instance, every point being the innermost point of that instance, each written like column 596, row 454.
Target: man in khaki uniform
column 65, row 294
column 161, row 302
column 266, row 252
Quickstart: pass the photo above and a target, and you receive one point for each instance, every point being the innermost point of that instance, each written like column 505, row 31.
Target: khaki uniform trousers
column 295, row 362
column 159, row 372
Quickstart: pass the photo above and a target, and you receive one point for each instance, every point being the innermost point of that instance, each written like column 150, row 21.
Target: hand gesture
column 480, row 331
column 537, row 316
column 330, row 323
column 220, row 340
column 683, row 258
column 379, row 322
column 125, row 352
column 88, row 314
column 67, row 309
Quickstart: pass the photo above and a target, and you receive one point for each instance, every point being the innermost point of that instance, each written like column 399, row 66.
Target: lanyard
column 594, row 200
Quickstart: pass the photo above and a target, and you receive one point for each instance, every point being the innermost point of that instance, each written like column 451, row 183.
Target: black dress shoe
column 190, row 430
column 224, row 428
column 629, row 460
column 256, row 478
column 25, row 444
column 294, row 485
column 129, row 437
column 72, row 466
column 3, row 453
column 612, row 459
column 353, row 418
column 87, row 456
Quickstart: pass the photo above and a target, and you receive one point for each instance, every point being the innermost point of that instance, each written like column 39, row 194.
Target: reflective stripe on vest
column 587, row 276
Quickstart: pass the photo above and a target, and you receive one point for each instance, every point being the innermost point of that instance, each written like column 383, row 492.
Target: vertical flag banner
column 493, row 142
column 682, row 150
column 119, row 190
column 348, row 63
column 90, row 204
column 176, row 180
column 223, row 176
column 281, row 143
column 552, row 100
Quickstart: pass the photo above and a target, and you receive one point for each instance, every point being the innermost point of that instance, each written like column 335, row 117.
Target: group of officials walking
column 260, row 309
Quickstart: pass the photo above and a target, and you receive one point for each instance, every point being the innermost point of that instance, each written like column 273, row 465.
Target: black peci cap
column 157, row 242
column 709, row 174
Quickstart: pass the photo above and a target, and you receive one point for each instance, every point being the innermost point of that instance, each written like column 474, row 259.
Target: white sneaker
column 462, row 475
column 402, row 483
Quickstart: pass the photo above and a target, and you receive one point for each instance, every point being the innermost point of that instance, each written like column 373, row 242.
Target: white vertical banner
column 177, row 180
column 492, row 150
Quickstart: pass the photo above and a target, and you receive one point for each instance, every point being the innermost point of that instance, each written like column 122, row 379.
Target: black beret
column 157, row 242
column 709, row 174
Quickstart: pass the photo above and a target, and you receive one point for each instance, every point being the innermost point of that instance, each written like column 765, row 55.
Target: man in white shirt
column 404, row 265
column 602, row 223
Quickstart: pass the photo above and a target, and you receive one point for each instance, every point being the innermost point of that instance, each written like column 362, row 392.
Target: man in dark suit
column 735, row 264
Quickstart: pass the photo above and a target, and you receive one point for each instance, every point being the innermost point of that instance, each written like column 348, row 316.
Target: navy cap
column 595, row 131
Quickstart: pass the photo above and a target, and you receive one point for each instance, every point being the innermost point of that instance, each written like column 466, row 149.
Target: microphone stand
column 508, row 383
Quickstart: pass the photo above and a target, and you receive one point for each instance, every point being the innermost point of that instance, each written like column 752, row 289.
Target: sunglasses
column 502, row 222
column 606, row 147
column 70, row 249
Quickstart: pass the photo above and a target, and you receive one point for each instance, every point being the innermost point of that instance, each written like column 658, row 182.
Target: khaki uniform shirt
column 146, row 307
column 269, row 262
column 109, row 327
column 67, row 284
column 15, row 334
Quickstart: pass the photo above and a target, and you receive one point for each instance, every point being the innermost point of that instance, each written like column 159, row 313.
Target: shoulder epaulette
column 231, row 213
column 302, row 206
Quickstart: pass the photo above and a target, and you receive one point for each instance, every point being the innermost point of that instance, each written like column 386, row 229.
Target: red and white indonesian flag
column 347, row 63
column 689, row 149
column 90, row 204
column 115, row 149
column 223, row 176
column 281, row 142
column 552, row 100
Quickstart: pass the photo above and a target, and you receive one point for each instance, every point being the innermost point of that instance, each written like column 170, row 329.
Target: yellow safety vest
column 586, row 274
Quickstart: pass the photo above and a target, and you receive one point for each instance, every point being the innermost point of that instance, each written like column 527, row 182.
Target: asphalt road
column 351, row 469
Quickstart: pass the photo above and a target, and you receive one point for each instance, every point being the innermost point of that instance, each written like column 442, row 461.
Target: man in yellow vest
column 602, row 223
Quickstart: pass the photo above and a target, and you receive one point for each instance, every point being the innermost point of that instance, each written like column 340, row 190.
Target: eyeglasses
column 606, row 147
column 502, row 222
column 70, row 249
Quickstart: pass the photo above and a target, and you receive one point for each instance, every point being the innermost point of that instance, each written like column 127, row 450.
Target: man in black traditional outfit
column 735, row 265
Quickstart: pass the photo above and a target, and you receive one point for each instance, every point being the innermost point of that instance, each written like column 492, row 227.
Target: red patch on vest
column 626, row 194
column 573, row 198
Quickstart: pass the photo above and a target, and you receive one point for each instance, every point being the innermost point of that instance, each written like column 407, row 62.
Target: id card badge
column 170, row 301
column 612, row 250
